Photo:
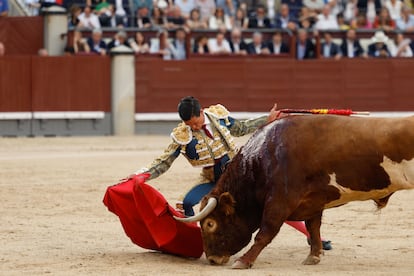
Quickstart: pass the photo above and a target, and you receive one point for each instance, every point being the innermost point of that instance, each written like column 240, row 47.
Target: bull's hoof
column 238, row 264
column 311, row 260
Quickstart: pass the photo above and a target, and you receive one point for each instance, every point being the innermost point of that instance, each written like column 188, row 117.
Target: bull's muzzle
column 216, row 260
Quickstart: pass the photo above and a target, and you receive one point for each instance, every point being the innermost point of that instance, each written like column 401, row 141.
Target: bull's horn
column 211, row 204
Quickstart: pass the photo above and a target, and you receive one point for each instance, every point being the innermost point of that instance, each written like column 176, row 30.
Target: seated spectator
column 96, row 44
column 361, row 22
column 260, row 20
column 119, row 39
column 336, row 6
column 342, row 24
column 257, row 46
column 206, row 7
column 219, row 45
column 74, row 12
column 2, row 49
column 325, row 20
column 219, row 20
column 88, row 19
column 240, row 20
column 104, row 13
column 139, row 44
column 121, row 18
column 384, row 21
column 200, row 45
column 277, row 45
column 158, row 18
column 350, row 46
column 284, row 20
column 406, row 21
column 143, row 18
column 79, row 43
column 294, row 7
column 186, row 6
column 179, row 44
column 305, row 49
column 351, row 10
column 371, row 8
column 237, row 44
column 330, row 49
column 139, row 4
column 195, row 22
column 229, row 7
column 307, row 18
column 394, row 8
column 4, row 8
column 175, row 18
column 33, row 7
column 402, row 46
column 162, row 46
column 314, row 5
column 378, row 48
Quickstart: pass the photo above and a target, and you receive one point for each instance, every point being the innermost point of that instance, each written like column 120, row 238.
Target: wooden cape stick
column 346, row 112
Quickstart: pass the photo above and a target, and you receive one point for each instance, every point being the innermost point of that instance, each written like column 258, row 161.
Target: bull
column 295, row 168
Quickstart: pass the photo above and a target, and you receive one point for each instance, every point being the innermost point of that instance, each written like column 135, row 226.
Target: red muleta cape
column 148, row 221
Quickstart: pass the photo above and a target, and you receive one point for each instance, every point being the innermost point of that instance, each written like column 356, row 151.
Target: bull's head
column 224, row 232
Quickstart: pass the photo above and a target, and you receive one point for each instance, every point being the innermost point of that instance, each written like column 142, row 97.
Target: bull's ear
column 226, row 203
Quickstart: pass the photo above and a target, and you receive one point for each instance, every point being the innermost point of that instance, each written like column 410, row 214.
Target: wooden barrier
column 55, row 95
column 21, row 35
column 251, row 84
column 68, row 83
column 15, row 84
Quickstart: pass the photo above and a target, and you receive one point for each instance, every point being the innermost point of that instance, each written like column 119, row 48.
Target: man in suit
column 330, row 49
column 96, row 43
column 277, row 45
column 257, row 46
column 378, row 48
column 237, row 44
column 305, row 49
column 350, row 46
column 260, row 20
column 284, row 20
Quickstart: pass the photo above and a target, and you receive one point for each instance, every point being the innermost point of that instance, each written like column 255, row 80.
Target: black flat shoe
column 326, row 245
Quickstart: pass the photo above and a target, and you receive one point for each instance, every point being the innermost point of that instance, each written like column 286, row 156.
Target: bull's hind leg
column 313, row 226
column 269, row 228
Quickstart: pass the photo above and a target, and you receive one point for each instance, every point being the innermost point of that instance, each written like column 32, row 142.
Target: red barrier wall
column 64, row 83
column 22, row 35
column 253, row 84
column 79, row 83
column 15, row 84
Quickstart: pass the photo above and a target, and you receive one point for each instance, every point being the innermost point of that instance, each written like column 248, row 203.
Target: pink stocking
column 300, row 226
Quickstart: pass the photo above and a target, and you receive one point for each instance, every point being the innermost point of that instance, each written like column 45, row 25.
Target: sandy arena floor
column 53, row 220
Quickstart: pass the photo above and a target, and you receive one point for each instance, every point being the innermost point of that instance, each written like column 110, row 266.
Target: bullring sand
column 53, row 220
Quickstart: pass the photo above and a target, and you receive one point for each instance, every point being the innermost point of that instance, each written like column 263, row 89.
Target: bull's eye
column 210, row 225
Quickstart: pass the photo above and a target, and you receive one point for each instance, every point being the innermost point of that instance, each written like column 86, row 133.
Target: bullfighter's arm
column 161, row 164
column 244, row 127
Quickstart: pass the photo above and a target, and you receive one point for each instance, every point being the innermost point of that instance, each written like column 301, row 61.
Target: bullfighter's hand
column 141, row 178
column 274, row 114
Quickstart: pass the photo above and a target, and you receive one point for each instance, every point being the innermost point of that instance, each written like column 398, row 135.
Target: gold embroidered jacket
column 200, row 150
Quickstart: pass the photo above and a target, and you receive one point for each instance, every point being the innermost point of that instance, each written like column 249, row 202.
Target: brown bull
column 295, row 168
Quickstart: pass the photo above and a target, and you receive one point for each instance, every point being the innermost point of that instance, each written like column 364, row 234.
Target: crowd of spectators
column 231, row 17
column 243, row 14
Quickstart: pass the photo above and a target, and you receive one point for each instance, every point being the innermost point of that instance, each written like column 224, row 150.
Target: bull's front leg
column 313, row 226
column 269, row 228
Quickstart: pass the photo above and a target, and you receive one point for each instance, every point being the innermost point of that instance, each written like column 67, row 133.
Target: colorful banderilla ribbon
column 346, row 112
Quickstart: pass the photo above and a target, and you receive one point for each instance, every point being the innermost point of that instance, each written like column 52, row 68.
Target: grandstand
column 72, row 95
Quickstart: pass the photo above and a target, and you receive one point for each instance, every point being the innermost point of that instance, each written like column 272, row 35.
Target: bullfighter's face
column 196, row 122
column 224, row 232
